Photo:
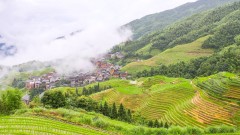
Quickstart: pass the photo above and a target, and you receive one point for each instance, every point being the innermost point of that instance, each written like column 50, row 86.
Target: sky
column 33, row 26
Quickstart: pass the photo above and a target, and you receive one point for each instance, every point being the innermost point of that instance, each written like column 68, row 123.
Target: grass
column 184, row 52
column 146, row 50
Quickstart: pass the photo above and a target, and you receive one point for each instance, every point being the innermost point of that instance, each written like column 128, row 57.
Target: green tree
column 10, row 100
column 150, row 123
column 129, row 115
column 114, row 114
column 54, row 99
column 105, row 109
column 121, row 112
column 156, row 124
column 237, row 40
column 86, row 103
column 166, row 125
column 101, row 108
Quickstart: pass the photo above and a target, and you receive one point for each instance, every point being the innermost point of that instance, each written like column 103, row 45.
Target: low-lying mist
column 71, row 30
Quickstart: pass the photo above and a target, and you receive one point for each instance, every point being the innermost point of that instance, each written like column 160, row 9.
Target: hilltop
column 159, row 21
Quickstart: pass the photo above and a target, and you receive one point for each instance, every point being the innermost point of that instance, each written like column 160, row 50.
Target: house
column 26, row 99
column 38, row 84
column 123, row 75
column 30, row 84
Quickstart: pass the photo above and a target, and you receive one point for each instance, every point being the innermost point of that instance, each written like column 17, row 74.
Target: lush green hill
column 179, row 101
column 159, row 21
column 174, row 55
column 222, row 23
column 226, row 60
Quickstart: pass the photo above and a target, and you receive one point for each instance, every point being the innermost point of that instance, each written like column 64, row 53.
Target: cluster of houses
column 104, row 71
column 46, row 81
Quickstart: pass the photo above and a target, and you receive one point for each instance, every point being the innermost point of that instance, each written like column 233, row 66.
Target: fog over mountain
column 75, row 30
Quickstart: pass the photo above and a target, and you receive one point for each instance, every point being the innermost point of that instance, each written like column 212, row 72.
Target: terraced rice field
column 210, row 113
column 170, row 106
column 114, row 96
column 233, row 90
column 214, row 101
column 41, row 126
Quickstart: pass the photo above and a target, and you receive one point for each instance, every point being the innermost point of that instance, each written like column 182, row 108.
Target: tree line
column 57, row 99
column 94, row 89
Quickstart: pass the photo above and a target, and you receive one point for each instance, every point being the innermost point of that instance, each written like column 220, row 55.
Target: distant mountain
column 31, row 66
column 161, row 20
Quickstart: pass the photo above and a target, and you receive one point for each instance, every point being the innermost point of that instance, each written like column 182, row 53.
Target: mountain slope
column 179, row 101
column 161, row 20
column 222, row 23
column 184, row 52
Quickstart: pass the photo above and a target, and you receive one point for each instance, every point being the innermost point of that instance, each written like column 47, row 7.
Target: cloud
column 33, row 26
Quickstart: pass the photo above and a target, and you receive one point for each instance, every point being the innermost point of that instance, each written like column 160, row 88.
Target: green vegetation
column 103, row 125
column 222, row 86
column 159, row 21
column 179, row 101
column 10, row 100
column 221, row 23
column 227, row 60
column 174, row 55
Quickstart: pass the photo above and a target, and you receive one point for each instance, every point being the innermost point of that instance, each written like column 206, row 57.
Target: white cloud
column 32, row 26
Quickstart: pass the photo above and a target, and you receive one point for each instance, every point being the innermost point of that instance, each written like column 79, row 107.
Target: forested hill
column 221, row 24
column 159, row 21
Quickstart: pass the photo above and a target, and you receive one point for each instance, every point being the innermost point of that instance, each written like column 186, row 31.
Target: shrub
column 175, row 130
column 161, row 131
column 226, row 129
column 37, row 110
column 193, row 131
column 137, row 131
column 101, row 124
column 20, row 111
column 212, row 130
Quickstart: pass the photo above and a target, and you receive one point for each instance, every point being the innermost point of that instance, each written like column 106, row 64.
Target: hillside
column 180, row 101
column 173, row 55
column 221, row 23
column 159, row 21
